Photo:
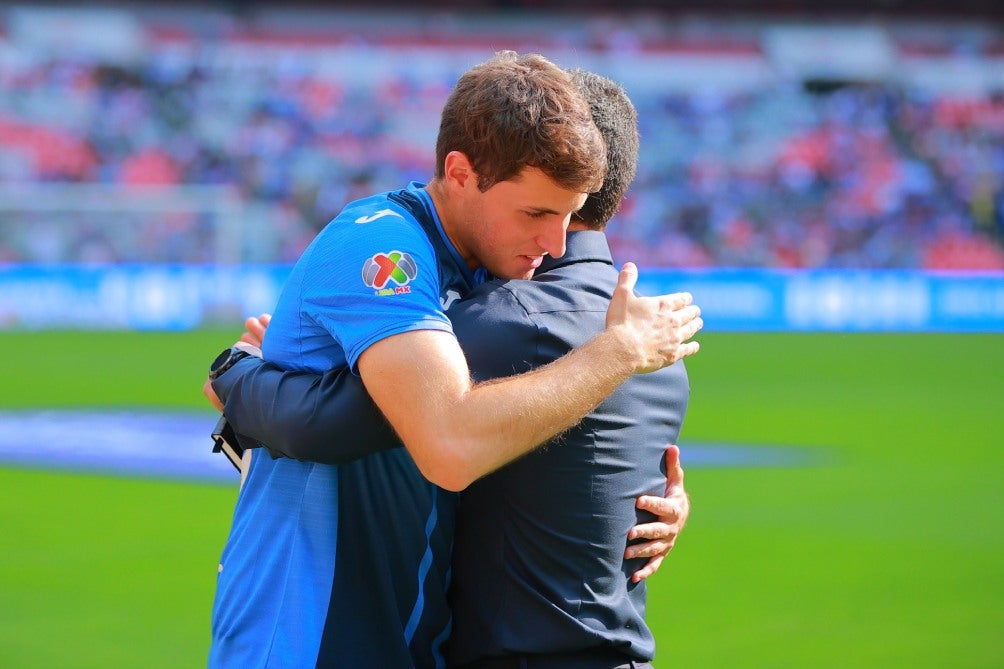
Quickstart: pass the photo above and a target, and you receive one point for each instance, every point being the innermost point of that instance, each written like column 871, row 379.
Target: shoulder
column 377, row 215
column 582, row 288
column 367, row 228
column 498, row 334
column 494, row 303
column 378, row 207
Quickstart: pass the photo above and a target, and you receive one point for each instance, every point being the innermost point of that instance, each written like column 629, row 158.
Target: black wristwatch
column 225, row 360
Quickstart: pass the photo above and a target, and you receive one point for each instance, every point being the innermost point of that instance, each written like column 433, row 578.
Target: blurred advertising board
column 182, row 297
column 838, row 300
column 140, row 297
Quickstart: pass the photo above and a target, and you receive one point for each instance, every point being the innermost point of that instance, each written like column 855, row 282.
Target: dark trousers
column 594, row 659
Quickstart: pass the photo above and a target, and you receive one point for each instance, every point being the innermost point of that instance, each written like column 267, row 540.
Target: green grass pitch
column 885, row 549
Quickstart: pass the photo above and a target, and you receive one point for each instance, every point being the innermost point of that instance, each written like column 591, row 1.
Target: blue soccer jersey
column 346, row 565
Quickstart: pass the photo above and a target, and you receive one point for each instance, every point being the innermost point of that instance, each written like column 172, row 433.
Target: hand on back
column 657, row 329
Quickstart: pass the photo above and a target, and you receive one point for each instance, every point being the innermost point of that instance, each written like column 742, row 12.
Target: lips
column 534, row 261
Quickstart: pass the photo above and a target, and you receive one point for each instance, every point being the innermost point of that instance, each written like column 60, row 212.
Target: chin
column 521, row 274
column 513, row 273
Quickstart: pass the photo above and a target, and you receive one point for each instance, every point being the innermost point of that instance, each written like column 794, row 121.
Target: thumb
column 618, row 310
column 674, row 471
column 628, row 277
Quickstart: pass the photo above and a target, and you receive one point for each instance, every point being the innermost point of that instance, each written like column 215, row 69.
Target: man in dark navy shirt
column 540, row 577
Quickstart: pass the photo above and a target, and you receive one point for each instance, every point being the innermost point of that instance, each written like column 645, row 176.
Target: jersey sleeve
column 377, row 276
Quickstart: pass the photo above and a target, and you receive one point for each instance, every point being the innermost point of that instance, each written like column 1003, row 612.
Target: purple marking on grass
column 146, row 443
column 177, row 445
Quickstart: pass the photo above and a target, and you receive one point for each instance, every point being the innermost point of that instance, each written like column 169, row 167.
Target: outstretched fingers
column 683, row 323
column 676, row 301
column 255, row 327
column 679, row 321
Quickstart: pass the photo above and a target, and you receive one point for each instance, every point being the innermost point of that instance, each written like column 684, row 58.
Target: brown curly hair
column 515, row 111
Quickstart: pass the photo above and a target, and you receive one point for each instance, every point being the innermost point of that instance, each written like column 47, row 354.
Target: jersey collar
column 475, row 277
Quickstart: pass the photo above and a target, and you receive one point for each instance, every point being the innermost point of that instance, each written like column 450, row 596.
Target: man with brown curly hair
column 346, row 565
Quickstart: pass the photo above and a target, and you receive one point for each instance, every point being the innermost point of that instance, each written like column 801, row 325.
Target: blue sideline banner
column 181, row 297
column 838, row 300
column 135, row 297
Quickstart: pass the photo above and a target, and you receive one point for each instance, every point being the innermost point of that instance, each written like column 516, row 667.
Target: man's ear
column 458, row 171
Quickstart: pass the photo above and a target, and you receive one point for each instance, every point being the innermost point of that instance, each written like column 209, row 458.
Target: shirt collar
column 580, row 246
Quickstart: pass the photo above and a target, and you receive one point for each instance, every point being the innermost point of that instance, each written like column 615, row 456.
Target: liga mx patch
column 383, row 269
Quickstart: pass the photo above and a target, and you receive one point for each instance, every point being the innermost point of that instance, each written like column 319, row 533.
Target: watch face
column 220, row 360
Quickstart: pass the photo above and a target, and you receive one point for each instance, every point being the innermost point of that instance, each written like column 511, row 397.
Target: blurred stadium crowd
column 780, row 172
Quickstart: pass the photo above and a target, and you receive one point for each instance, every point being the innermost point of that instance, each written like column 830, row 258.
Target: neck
column 441, row 201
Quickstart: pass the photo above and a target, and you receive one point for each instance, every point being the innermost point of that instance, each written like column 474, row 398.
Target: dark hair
column 515, row 111
column 617, row 120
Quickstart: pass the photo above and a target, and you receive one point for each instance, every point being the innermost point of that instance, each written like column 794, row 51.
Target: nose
column 552, row 238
